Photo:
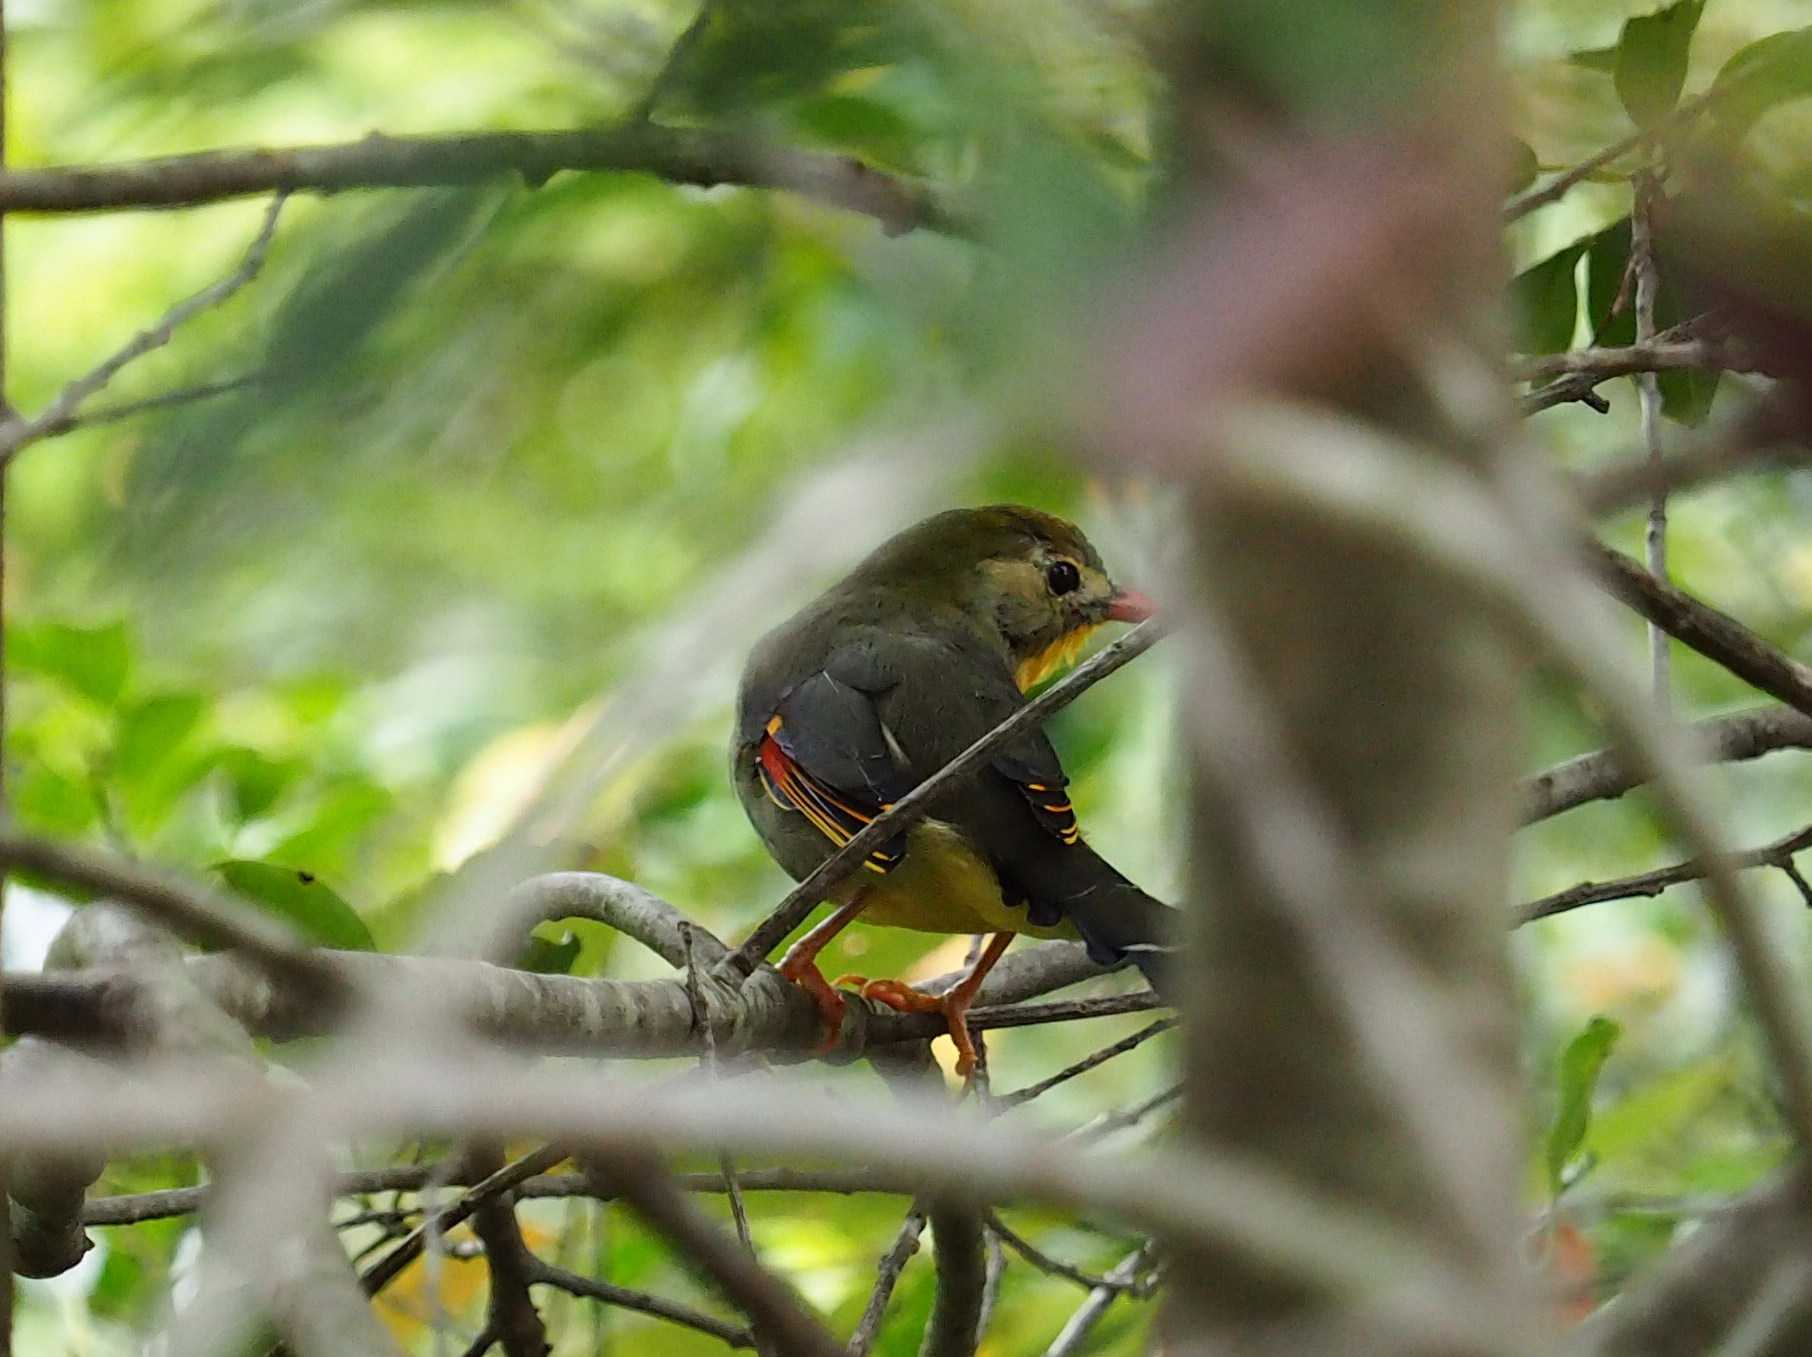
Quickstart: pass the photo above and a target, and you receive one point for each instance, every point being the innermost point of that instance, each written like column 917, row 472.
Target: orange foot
column 953, row 1004
column 831, row 1005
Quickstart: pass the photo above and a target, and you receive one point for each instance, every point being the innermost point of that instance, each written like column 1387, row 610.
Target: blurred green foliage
column 337, row 623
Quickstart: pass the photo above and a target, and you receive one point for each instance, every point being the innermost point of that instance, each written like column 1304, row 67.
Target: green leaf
column 1768, row 72
column 1545, row 303
column 302, row 899
column 547, row 957
column 152, row 730
column 254, row 781
column 1580, row 1065
column 93, row 661
column 1651, row 60
column 47, row 801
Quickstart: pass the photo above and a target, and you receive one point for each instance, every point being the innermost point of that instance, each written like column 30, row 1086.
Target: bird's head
column 1030, row 577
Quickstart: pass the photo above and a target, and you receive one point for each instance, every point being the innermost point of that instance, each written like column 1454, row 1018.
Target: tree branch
column 678, row 155
column 962, row 1274
column 60, row 414
column 913, row 807
column 775, row 1311
column 887, row 1277
column 541, row 1273
column 1076, row 1331
column 1715, row 635
column 1605, row 774
column 1658, row 354
column 1778, row 854
column 510, row 1312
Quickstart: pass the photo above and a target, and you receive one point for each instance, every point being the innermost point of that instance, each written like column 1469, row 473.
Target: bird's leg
column 799, row 965
column 954, row 1003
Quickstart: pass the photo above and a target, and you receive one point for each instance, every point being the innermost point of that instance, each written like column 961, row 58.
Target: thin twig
column 1007, row 1101
column 774, row 1309
column 58, row 416
column 887, row 1277
column 913, row 807
column 184, row 395
column 542, row 1273
column 739, row 1211
column 381, row 1273
column 1074, row 1333
column 1778, row 854
column 1523, row 205
column 1648, row 388
column 1043, row 1261
column 1109, row 1122
column 1651, row 353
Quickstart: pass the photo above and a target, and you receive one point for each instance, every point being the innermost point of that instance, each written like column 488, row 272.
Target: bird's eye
column 1062, row 577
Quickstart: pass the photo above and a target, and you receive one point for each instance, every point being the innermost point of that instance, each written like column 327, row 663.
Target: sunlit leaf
column 1767, row 73
column 93, row 661
column 302, row 899
column 151, row 731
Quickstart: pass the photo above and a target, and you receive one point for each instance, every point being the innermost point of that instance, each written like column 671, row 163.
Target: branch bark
column 678, row 155
column 1715, row 635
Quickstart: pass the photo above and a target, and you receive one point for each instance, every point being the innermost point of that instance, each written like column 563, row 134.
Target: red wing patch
column 792, row 788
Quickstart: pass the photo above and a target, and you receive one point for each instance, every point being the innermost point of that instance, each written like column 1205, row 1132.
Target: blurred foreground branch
column 678, row 155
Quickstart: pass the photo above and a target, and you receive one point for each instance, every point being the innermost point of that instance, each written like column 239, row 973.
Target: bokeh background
column 491, row 442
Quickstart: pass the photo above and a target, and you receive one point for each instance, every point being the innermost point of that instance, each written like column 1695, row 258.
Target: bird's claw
column 830, row 1004
column 903, row 998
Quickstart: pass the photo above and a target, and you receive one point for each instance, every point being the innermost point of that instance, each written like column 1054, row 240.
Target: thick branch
column 1715, row 635
column 680, row 156
column 956, row 1250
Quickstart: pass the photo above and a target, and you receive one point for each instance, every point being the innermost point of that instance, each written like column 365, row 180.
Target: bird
column 845, row 707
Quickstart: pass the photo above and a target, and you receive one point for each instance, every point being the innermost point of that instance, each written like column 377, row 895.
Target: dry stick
column 182, row 395
column 542, row 1273
column 1071, row 1337
column 911, row 808
column 694, row 156
column 1648, row 387
column 1778, row 854
column 1715, row 635
column 775, row 1311
column 1655, row 352
column 1109, row 1122
column 1006, row 1102
column 57, row 417
column 887, row 1277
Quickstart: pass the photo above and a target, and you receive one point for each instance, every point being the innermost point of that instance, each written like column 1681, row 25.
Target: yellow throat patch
column 1035, row 669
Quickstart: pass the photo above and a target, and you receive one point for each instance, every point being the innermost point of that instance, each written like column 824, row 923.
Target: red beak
column 1129, row 605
